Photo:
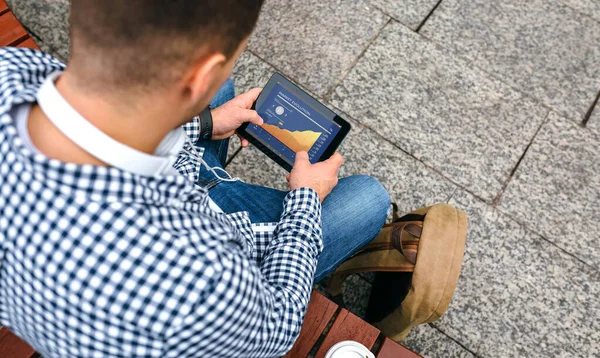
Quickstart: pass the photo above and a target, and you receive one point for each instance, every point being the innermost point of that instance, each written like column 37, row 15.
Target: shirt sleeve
column 251, row 310
column 192, row 129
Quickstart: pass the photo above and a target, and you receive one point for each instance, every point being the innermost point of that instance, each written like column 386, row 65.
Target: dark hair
column 143, row 41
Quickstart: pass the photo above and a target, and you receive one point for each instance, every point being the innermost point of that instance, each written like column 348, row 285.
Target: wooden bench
column 317, row 335
column 12, row 346
column 11, row 31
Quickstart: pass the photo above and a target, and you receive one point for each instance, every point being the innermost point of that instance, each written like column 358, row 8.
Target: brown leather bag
column 417, row 260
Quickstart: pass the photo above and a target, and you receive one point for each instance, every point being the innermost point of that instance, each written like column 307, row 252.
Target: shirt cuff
column 304, row 204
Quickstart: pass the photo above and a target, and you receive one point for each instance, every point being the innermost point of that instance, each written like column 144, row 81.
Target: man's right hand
column 322, row 177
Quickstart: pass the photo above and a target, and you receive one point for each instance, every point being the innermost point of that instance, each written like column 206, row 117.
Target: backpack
column 417, row 261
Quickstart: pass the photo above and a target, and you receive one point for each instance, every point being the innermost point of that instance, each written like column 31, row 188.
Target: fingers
column 249, row 115
column 249, row 97
column 244, row 142
column 287, row 177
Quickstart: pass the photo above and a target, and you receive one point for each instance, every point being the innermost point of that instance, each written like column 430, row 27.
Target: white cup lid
column 349, row 349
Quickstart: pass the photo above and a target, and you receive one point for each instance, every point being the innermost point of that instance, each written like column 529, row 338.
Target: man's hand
column 231, row 115
column 321, row 177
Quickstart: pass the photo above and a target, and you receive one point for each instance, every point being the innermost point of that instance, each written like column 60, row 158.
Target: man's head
column 146, row 46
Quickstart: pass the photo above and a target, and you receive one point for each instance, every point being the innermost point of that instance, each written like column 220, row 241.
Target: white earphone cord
column 194, row 154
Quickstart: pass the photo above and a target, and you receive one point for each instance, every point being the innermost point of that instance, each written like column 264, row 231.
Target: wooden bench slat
column 12, row 346
column 3, row 7
column 348, row 327
column 29, row 43
column 319, row 313
column 391, row 349
column 11, row 31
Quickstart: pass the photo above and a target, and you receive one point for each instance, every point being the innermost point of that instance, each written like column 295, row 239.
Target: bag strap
column 407, row 245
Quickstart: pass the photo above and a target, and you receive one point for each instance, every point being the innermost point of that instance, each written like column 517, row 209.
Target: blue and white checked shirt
column 99, row 262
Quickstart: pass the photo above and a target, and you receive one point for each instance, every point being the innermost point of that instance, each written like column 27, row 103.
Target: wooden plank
column 12, row 346
column 29, row 43
column 348, row 327
column 319, row 314
column 11, row 31
column 391, row 349
column 3, row 7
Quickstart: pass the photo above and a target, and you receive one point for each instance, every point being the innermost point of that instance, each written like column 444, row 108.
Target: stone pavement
column 481, row 107
column 488, row 105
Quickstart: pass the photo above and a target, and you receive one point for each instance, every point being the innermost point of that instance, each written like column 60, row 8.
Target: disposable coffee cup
column 349, row 349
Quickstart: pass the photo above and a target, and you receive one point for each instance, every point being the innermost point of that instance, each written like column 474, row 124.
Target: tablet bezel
column 309, row 100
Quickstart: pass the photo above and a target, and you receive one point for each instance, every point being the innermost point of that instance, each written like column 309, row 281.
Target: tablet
column 293, row 122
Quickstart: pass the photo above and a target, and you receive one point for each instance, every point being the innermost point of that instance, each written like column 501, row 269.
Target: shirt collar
column 101, row 146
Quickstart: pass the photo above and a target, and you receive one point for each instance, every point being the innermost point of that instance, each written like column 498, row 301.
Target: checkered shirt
column 99, row 262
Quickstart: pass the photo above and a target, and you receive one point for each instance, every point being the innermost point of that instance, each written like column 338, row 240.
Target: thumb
column 301, row 159
column 251, row 116
column 249, row 97
column 335, row 160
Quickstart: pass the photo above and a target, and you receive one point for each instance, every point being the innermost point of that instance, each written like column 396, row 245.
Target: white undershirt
column 21, row 115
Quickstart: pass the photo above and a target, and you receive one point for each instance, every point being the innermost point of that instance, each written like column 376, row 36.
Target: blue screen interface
column 290, row 126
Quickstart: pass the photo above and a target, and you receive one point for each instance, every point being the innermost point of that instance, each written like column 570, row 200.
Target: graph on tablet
column 291, row 126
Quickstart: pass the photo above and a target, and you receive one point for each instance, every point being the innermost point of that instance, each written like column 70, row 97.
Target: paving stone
column 590, row 8
column 250, row 72
column 556, row 190
column 459, row 120
column 409, row 12
column 410, row 183
column 368, row 276
column 594, row 122
column 431, row 343
column 356, row 293
column 543, row 48
column 253, row 167
column 47, row 20
column 315, row 42
column 518, row 294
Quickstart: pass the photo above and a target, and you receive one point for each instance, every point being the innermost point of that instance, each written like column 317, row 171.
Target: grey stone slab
column 543, row 48
column 47, row 20
column 594, row 121
column 590, row 8
column 409, row 12
column 410, row 183
column 368, row 276
column 556, row 190
column 315, row 42
column 519, row 295
column 431, row 343
column 356, row 293
column 249, row 72
column 455, row 118
column 252, row 166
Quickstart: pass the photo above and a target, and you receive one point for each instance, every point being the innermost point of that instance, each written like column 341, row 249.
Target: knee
column 373, row 195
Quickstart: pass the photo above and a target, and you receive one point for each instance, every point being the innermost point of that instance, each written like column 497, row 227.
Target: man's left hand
column 230, row 116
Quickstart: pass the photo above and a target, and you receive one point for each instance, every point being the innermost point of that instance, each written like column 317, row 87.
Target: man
column 120, row 233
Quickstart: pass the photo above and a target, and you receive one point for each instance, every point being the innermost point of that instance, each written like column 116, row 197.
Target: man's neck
column 141, row 127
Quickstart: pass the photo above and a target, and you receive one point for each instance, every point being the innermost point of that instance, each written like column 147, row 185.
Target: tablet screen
column 291, row 125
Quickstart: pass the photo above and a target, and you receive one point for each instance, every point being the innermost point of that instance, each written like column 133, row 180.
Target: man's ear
column 203, row 74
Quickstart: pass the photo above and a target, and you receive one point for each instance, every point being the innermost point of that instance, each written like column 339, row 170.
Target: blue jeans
column 352, row 214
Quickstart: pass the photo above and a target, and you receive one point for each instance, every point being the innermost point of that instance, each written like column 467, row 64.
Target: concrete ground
column 487, row 105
